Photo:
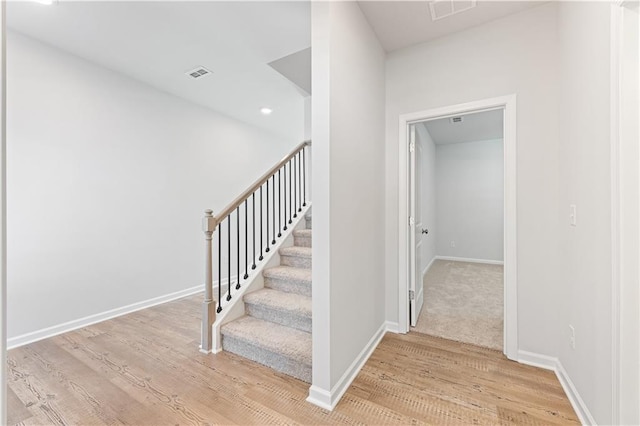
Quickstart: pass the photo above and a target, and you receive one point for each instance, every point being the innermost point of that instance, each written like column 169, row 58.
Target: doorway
column 457, row 183
column 411, row 244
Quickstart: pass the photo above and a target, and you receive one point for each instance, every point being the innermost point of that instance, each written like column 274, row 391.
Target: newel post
column 208, row 305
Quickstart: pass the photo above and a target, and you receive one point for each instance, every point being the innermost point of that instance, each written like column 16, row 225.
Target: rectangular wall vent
column 444, row 8
column 198, row 72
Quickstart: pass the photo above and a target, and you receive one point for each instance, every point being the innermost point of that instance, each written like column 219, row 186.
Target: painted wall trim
column 328, row 400
column 508, row 103
column 551, row 363
column 96, row 318
column 424, row 272
column 320, row 397
column 465, row 259
column 391, row 326
column 616, row 264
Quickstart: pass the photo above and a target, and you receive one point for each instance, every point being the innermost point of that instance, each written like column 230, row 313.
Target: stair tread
column 296, row 251
column 280, row 300
column 286, row 341
column 302, row 233
column 288, row 273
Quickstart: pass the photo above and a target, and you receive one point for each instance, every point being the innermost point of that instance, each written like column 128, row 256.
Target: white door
column 415, row 224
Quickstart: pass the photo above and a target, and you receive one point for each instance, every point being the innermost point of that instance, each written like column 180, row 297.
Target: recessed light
column 266, row 111
column 45, row 2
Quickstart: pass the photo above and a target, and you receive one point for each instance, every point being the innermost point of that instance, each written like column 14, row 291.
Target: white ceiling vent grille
column 198, row 72
column 444, row 8
column 456, row 120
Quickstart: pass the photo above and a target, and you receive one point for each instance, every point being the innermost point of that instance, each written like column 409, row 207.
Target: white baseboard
column 328, row 400
column 465, row 259
column 574, row 397
column 554, row 364
column 34, row 336
column 424, row 272
column 320, row 398
column 392, row 327
column 537, row 360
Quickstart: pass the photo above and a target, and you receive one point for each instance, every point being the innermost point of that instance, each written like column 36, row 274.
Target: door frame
column 508, row 103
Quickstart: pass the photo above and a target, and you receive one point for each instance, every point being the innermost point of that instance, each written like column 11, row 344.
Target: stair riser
column 277, row 362
column 290, row 286
column 302, row 241
column 295, row 261
column 288, row 319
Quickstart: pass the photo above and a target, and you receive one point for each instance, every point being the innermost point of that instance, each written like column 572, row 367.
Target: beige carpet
column 463, row 302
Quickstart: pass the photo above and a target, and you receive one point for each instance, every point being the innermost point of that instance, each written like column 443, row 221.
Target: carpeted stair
column 276, row 331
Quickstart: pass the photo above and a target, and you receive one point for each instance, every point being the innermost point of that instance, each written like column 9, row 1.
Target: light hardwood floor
column 145, row 369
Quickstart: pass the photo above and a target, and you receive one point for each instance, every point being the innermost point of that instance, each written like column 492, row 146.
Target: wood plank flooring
column 145, row 369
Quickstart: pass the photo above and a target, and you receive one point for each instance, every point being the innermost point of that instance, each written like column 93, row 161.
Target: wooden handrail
column 257, row 184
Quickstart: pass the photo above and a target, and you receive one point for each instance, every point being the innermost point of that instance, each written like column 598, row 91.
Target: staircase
column 276, row 330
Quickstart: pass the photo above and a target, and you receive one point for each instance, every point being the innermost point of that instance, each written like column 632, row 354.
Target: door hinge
column 412, row 221
column 412, row 295
column 412, row 146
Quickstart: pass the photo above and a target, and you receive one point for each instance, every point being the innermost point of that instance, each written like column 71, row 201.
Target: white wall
column 107, row 182
column 307, row 118
column 585, row 180
column 630, row 221
column 3, row 216
column 470, row 201
column 308, row 152
column 348, row 212
column 517, row 54
column 428, row 196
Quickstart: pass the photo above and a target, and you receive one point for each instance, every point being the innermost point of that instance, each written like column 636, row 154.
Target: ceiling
column 158, row 42
column 258, row 52
column 297, row 68
column 400, row 24
column 477, row 126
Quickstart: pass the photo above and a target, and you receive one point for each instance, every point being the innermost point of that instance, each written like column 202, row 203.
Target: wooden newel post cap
column 208, row 222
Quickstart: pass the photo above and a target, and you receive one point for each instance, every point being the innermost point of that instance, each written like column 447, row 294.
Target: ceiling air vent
column 443, row 8
column 456, row 120
column 198, row 72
